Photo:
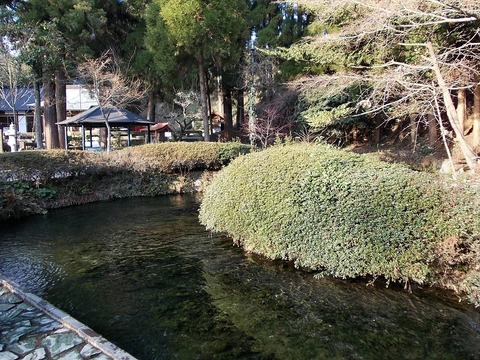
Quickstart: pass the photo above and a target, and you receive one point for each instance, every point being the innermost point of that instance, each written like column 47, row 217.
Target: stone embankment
column 33, row 329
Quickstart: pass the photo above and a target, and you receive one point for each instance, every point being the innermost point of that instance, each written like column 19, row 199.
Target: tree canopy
column 352, row 62
column 207, row 33
column 411, row 56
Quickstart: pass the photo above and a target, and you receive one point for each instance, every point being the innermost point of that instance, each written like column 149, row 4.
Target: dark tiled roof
column 94, row 117
column 24, row 98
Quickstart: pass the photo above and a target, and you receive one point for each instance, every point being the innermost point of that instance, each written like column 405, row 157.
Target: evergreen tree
column 412, row 56
column 206, row 32
column 83, row 29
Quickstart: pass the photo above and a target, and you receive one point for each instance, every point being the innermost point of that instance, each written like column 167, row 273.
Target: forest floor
column 420, row 156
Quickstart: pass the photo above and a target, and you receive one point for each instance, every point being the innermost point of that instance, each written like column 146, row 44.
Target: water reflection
column 145, row 274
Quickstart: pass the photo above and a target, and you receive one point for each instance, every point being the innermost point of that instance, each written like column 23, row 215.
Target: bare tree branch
column 109, row 86
column 400, row 81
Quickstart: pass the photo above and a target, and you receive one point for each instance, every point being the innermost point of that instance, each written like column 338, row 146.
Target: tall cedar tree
column 207, row 32
column 86, row 28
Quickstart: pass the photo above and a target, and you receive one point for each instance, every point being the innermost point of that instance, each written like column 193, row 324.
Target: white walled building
column 78, row 100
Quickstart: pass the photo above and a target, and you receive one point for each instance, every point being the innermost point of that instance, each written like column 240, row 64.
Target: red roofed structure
column 159, row 132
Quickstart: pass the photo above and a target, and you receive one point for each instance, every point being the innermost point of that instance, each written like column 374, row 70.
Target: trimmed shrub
column 42, row 165
column 176, row 157
column 165, row 157
column 33, row 181
column 339, row 213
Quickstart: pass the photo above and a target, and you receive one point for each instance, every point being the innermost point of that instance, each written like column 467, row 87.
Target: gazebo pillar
column 65, row 132
column 83, row 137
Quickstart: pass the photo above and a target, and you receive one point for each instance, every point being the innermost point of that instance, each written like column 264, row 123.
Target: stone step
column 33, row 329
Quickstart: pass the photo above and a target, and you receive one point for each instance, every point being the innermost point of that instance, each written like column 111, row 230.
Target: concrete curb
column 83, row 331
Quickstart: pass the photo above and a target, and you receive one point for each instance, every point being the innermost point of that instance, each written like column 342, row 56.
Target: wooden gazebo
column 93, row 118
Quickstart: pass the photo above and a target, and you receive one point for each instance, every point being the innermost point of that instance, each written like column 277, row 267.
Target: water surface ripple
column 145, row 274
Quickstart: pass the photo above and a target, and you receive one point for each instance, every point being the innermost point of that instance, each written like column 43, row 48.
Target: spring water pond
column 147, row 276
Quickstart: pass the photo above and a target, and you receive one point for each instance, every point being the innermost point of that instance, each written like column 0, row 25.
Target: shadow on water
column 146, row 275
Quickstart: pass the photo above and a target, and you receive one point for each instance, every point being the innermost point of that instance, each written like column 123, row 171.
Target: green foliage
column 32, row 181
column 342, row 16
column 339, row 213
column 325, row 57
column 317, row 59
column 320, row 118
column 58, row 34
column 161, row 45
column 28, row 190
column 458, row 256
column 291, row 69
column 178, row 29
column 73, row 25
column 333, row 110
column 43, row 50
column 277, row 24
column 22, row 198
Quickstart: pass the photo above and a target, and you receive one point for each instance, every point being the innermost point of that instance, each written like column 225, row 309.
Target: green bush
column 165, row 157
column 42, row 165
column 340, row 213
column 33, row 181
column 177, row 156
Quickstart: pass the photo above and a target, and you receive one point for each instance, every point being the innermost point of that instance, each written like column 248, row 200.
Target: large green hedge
column 165, row 157
column 339, row 213
column 34, row 181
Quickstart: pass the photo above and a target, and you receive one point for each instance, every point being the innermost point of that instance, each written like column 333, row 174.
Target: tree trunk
column 476, row 117
column 151, row 105
column 106, row 115
column 240, row 109
column 38, row 115
column 50, row 115
column 470, row 156
column 462, row 109
column 378, row 132
column 102, row 137
column 15, row 127
column 227, row 111
column 252, row 122
column 221, row 97
column 61, row 102
column 209, row 107
column 432, row 130
column 413, row 130
column 203, row 97
column 109, row 135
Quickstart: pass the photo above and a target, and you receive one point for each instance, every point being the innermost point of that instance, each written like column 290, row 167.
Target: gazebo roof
column 93, row 117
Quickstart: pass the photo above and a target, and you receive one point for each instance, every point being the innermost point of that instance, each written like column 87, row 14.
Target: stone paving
column 33, row 329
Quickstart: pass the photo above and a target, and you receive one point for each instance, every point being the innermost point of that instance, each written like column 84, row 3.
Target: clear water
column 145, row 274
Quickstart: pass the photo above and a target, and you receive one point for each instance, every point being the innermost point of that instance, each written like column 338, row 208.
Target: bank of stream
column 146, row 275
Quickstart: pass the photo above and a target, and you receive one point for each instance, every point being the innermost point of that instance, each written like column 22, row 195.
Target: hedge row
column 34, row 181
column 345, row 215
column 164, row 157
